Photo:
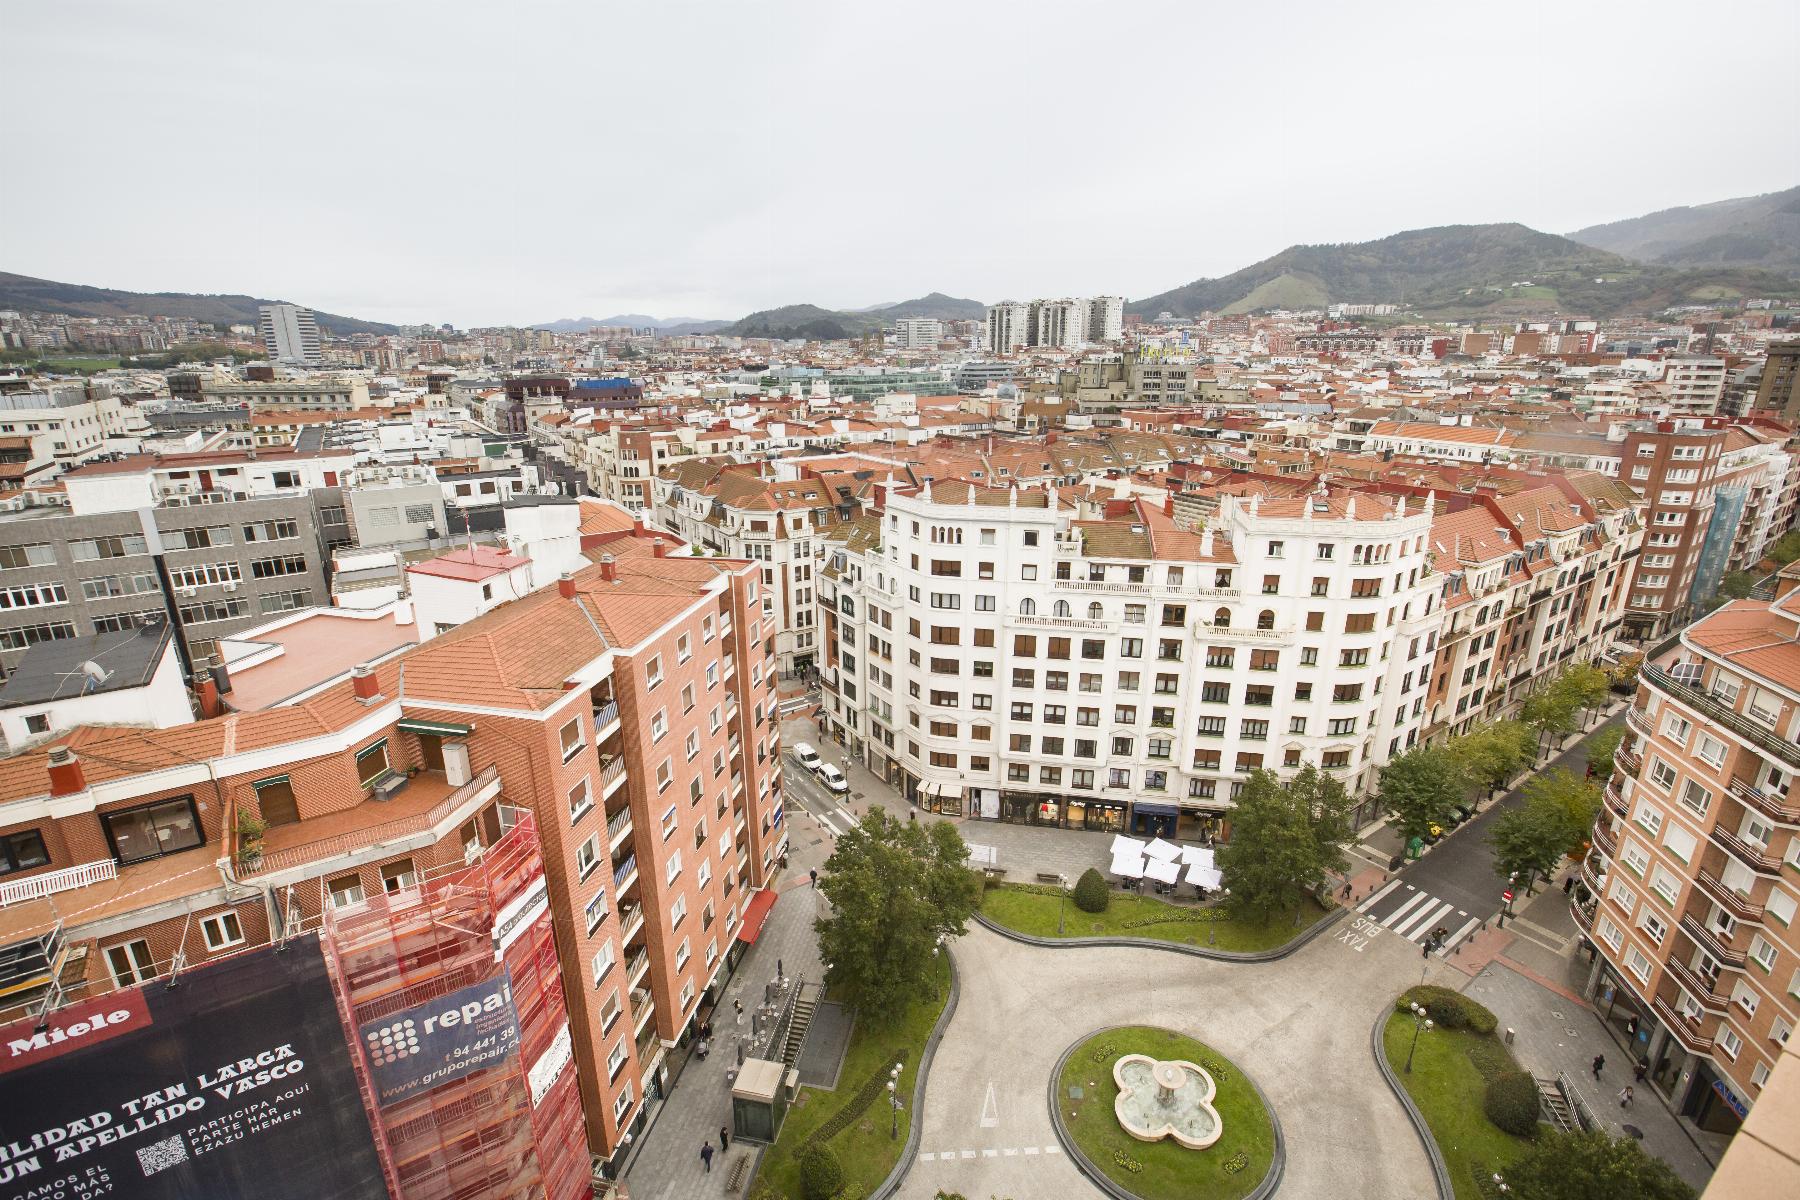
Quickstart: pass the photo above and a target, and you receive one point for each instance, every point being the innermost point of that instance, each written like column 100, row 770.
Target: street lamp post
column 1420, row 1021
column 1062, row 900
column 893, row 1085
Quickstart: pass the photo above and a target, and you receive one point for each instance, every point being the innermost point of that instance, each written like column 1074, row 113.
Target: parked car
column 806, row 756
column 833, row 778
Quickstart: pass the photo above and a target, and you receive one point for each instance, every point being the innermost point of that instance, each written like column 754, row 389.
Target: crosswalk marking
column 1366, row 905
column 1413, row 902
column 1426, row 920
column 1413, row 914
column 1458, row 936
column 987, row 1152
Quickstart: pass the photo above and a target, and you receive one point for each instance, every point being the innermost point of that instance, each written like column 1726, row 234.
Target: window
column 222, row 930
column 397, row 876
column 581, row 800
column 653, row 674
column 345, row 891
column 153, row 830
column 22, row 851
column 595, row 910
column 587, row 856
column 571, row 739
column 372, row 763
column 603, row 962
column 1763, row 951
column 130, row 963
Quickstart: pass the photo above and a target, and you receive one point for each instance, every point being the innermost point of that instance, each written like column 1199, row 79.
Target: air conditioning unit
column 231, row 585
column 189, row 593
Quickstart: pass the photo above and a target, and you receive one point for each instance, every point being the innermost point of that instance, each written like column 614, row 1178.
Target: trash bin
column 1509, row 1036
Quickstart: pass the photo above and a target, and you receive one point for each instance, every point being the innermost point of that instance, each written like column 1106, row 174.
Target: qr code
column 160, row 1156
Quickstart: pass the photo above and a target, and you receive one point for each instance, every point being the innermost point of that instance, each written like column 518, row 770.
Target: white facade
column 1062, row 324
column 1008, row 327
column 1695, row 386
column 290, row 334
column 1106, row 319
column 918, row 333
column 159, row 704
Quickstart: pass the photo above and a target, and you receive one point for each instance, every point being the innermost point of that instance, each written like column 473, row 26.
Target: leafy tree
column 1284, row 839
column 1738, row 585
column 1601, row 748
column 1531, row 840
column 1492, row 754
column 821, row 1175
column 1090, row 894
column 895, row 887
column 1421, row 787
column 1585, row 685
column 1787, row 549
column 1592, row 1166
column 1549, row 713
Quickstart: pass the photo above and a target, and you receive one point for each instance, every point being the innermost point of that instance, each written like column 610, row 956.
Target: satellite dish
column 95, row 672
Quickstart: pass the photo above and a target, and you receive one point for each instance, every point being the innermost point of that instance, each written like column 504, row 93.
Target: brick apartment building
column 1691, row 889
column 628, row 710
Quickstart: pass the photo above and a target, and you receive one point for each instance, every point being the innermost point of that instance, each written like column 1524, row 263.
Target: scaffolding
column 483, row 1135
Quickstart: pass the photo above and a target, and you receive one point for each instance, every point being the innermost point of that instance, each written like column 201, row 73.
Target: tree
column 1550, row 712
column 1584, row 685
column 1787, row 549
column 1090, row 892
column 1531, row 840
column 1601, row 748
column 1592, row 1166
column 1492, row 754
column 1421, row 787
column 895, row 888
column 1738, row 585
column 821, row 1175
column 1284, row 839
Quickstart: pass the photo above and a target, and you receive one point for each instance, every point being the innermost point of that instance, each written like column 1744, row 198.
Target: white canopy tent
column 1130, row 865
column 1163, row 872
column 1206, row 877
column 1197, row 856
column 1163, row 851
column 1125, row 845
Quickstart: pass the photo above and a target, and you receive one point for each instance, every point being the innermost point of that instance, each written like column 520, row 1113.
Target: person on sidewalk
column 1599, row 1062
column 815, row 876
column 1638, row 1072
column 1625, row 1097
column 1568, row 885
column 724, row 1139
column 706, row 1153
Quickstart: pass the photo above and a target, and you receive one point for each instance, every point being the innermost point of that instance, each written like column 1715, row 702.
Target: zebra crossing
column 1412, row 914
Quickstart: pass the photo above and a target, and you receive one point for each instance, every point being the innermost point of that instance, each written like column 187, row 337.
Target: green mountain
column 1456, row 270
column 78, row 300
column 823, row 324
column 1750, row 231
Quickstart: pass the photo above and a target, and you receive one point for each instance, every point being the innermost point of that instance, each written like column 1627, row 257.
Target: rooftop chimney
column 565, row 583
column 660, row 548
column 364, row 684
column 66, row 775
column 1169, row 505
column 609, row 571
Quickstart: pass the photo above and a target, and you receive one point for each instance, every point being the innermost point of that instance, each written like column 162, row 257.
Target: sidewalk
column 667, row 1165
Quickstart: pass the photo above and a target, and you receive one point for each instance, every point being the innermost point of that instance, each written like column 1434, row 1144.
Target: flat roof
column 472, row 563
column 53, row 670
column 322, row 645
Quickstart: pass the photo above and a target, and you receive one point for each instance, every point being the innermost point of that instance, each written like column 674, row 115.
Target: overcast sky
column 511, row 162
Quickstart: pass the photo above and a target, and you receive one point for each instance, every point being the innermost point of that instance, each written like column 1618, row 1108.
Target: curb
column 1238, row 956
column 1270, row 1180
column 910, row 1152
column 1376, row 1047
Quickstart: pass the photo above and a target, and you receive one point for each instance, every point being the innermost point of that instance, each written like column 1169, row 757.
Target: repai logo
column 393, row 1042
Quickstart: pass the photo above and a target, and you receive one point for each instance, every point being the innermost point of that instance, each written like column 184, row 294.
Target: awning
column 1156, row 810
column 755, row 913
column 435, row 728
column 928, row 787
column 1163, row 872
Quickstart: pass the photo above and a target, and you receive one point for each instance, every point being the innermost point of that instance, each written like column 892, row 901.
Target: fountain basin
column 1166, row 1098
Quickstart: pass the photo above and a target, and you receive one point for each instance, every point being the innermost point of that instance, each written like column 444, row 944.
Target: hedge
column 821, row 1175
column 1511, row 1102
column 1091, row 895
column 1448, row 1008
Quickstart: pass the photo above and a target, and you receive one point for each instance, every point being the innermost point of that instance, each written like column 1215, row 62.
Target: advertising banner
column 234, row 1082
column 440, row 1040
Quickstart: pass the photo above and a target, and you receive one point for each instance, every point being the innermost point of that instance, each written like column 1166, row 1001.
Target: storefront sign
column 1731, row 1098
column 233, row 1082
column 440, row 1040
column 511, row 922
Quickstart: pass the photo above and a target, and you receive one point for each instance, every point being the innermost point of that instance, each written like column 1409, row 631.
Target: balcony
column 617, row 826
column 1710, row 942
column 625, row 874
column 52, row 882
column 631, row 919
column 1213, row 633
column 1628, row 761
column 606, row 715
column 1582, row 912
column 1776, row 808
column 1605, row 840
column 1686, row 1031
column 611, row 774
column 428, row 810
column 641, row 1010
column 1733, row 902
column 1639, row 721
column 1752, row 731
column 1593, row 873
column 649, row 1049
column 1754, row 857
column 1615, row 801
column 636, row 966
column 1696, row 985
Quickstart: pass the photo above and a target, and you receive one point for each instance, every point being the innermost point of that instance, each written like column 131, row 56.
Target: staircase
column 1555, row 1105
column 800, row 1021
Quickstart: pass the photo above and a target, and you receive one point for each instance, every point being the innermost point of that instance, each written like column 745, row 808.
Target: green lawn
column 866, row 1150
column 1034, row 912
column 1169, row 1171
column 1447, row 1086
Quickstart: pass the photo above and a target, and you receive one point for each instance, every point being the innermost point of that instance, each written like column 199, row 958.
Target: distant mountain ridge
column 813, row 323
column 31, row 294
column 1749, row 231
column 1454, row 270
column 634, row 321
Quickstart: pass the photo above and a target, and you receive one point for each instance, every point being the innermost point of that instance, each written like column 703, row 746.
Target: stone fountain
column 1166, row 1098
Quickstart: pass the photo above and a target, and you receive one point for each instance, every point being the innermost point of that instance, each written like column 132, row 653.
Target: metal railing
column 1732, row 901
column 605, row 715
column 1757, row 860
column 1682, row 1027
column 1754, row 732
column 610, row 772
column 51, row 882
column 1769, row 806
column 372, row 836
column 624, row 871
column 1700, row 989
column 617, row 824
column 1710, row 942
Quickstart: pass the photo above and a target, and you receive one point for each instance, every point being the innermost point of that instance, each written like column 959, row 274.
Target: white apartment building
column 1008, row 327
column 66, row 425
column 918, row 333
column 1694, row 386
column 994, row 656
column 318, row 393
column 290, row 334
column 1062, row 324
column 1106, row 319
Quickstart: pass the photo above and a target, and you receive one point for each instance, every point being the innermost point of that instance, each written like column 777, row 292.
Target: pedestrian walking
column 724, row 1139
column 1599, row 1062
column 912, row 812
column 1638, row 1072
column 1625, row 1097
column 706, row 1153
column 815, row 876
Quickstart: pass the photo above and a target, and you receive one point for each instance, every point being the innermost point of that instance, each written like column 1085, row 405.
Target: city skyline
column 493, row 209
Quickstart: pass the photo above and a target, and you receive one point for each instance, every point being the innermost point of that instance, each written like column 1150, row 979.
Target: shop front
column 1105, row 816
column 944, row 798
column 1154, row 820
column 1714, row 1103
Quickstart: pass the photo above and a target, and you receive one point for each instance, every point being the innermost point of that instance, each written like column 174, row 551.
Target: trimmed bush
column 1090, row 894
column 821, row 1176
column 1491, row 1058
column 1511, row 1103
column 1451, row 1009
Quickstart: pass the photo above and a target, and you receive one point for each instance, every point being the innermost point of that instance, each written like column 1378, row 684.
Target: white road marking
column 1052, row 1150
column 1010, row 1152
column 1030, row 1150
column 1366, row 905
column 1422, row 922
column 1388, row 921
column 1459, row 935
column 968, row 1154
column 990, row 1108
column 990, row 1154
column 927, row 1156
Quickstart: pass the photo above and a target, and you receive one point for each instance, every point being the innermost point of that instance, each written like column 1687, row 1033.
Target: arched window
column 1061, row 608
column 1265, row 619
column 1222, row 618
column 1095, row 611
column 1027, row 607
